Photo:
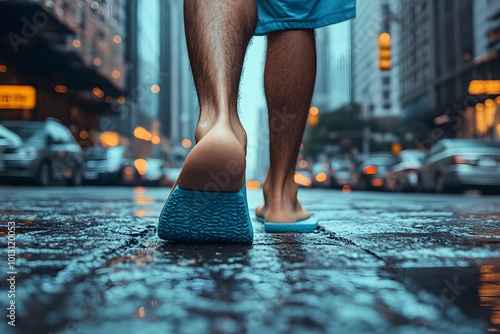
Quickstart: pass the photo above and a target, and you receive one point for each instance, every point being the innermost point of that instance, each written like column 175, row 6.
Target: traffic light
column 396, row 148
column 384, row 48
column 313, row 118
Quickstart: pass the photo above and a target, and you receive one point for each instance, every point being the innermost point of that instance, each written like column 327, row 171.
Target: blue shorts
column 301, row 14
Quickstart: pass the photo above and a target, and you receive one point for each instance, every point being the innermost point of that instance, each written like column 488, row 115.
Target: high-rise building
column 436, row 60
column 448, row 45
column 377, row 91
column 179, row 105
column 483, row 119
column 160, row 112
column 144, row 92
column 70, row 52
column 333, row 79
column 136, row 114
column 486, row 29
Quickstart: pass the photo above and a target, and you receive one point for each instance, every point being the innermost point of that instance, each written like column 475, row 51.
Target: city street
column 88, row 260
column 385, row 112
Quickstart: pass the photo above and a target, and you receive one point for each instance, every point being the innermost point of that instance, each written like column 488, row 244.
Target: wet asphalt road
column 88, row 261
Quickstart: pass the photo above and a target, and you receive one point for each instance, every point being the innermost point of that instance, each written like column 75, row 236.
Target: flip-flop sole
column 302, row 226
column 199, row 216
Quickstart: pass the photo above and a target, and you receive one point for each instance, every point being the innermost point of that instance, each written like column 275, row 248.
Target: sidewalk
column 379, row 263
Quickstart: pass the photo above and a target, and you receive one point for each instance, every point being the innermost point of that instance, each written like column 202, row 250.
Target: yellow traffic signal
column 396, row 148
column 384, row 46
column 313, row 118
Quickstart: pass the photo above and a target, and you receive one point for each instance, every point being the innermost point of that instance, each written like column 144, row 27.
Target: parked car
column 341, row 173
column 457, row 164
column 402, row 175
column 39, row 152
column 370, row 173
column 109, row 165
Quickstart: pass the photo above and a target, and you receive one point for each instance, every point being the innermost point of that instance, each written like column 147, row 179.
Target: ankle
column 280, row 189
column 205, row 124
column 202, row 129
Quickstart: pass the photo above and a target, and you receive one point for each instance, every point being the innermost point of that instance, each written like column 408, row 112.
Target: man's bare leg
column 289, row 83
column 217, row 34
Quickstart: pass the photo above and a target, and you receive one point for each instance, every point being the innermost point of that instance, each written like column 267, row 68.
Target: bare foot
column 217, row 162
column 281, row 204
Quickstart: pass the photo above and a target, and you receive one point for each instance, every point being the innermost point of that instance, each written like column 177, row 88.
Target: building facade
column 483, row 119
column 436, row 57
column 160, row 112
column 179, row 106
column 445, row 48
column 70, row 52
column 376, row 91
column 332, row 88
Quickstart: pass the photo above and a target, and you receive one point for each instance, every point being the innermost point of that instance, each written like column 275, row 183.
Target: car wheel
column 439, row 186
column 420, row 184
column 399, row 187
column 491, row 190
column 43, row 177
column 77, row 178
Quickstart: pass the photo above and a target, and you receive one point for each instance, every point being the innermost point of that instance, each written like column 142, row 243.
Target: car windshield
column 27, row 132
column 413, row 156
column 340, row 165
column 320, row 167
column 474, row 143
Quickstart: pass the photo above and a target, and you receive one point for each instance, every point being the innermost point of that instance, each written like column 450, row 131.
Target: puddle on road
column 474, row 290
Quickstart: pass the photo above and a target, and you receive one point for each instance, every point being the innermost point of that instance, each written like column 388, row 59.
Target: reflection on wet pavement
column 93, row 264
column 475, row 291
column 489, row 293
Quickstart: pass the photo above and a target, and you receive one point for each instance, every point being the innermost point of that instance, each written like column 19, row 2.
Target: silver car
column 457, row 164
column 40, row 152
column 402, row 175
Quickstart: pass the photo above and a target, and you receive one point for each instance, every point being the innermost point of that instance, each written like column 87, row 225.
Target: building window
column 386, row 81
column 386, row 94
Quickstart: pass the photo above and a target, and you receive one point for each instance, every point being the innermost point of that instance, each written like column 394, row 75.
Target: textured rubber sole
column 302, row 226
column 199, row 216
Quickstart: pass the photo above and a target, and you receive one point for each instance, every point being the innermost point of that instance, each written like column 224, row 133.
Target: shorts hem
column 287, row 24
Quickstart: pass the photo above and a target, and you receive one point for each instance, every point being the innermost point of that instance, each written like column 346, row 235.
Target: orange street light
column 313, row 118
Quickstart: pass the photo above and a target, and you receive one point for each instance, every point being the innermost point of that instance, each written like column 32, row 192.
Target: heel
column 216, row 164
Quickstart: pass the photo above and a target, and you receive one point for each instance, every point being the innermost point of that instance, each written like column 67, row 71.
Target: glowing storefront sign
column 17, row 97
column 484, row 87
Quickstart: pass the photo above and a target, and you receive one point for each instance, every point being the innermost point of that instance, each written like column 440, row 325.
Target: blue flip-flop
column 302, row 226
column 201, row 216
